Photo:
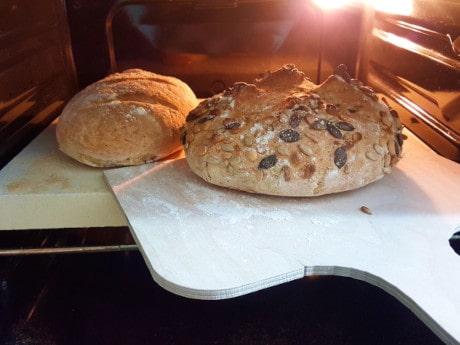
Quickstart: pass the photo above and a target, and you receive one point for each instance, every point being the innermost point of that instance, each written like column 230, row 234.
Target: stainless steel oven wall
column 211, row 44
column 412, row 57
column 37, row 74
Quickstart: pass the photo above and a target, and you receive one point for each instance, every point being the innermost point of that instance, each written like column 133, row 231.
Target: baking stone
column 42, row 188
column 206, row 242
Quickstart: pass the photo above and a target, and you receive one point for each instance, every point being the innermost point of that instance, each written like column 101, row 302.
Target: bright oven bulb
column 332, row 4
column 402, row 7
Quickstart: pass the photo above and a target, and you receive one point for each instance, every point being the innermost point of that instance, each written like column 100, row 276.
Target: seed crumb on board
column 366, row 209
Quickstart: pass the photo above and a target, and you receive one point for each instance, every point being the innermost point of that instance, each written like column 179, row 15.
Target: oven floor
column 110, row 298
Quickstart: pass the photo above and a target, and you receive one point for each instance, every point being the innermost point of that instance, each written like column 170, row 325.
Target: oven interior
column 408, row 52
column 52, row 48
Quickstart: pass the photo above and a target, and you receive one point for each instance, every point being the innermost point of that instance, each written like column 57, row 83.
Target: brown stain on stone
column 34, row 181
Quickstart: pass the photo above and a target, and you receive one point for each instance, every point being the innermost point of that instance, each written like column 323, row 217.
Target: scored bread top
column 128, row 118
column 284, row 135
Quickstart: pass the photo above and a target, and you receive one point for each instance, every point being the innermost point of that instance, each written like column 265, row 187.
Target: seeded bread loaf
column 284, row 135
column 127, row 118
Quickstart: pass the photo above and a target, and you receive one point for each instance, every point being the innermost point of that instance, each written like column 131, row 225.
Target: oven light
column 333, row 4
column 401, row 7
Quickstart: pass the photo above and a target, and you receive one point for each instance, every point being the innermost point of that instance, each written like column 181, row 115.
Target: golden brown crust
column 284, row 135
column 127, row 118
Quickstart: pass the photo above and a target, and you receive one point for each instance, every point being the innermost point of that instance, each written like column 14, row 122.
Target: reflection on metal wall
column 36, row 70
column 414, row 60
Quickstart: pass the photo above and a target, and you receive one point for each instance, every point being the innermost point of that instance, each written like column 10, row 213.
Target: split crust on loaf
column 284, row 135
column 128, row 118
